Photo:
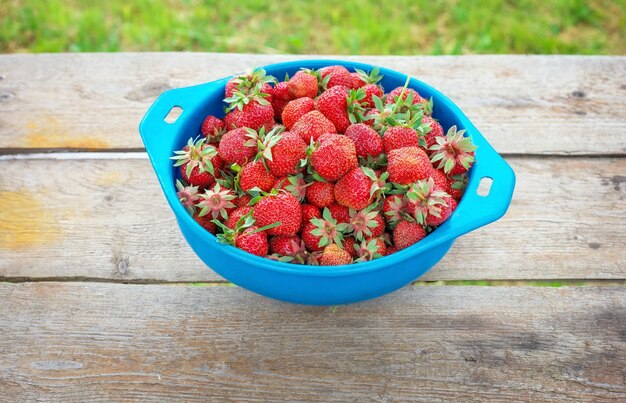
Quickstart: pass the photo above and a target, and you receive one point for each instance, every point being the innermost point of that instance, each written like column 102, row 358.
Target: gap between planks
column 417, row 283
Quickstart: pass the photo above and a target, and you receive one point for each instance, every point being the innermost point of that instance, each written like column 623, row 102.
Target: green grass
column 402, row 27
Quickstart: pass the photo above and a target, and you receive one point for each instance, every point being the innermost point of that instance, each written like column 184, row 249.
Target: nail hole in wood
column 484, row 186
column 122, row 266
column 578, row 94
column 173, row 115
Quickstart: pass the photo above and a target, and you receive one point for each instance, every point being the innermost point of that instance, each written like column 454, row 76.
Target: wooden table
column 101, row 298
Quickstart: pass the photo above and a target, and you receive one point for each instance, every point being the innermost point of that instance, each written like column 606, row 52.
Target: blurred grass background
column 318, row 27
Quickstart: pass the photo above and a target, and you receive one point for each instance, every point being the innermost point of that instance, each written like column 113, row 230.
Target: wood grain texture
column 76, row 342
column 522, row 104
column 107, row 219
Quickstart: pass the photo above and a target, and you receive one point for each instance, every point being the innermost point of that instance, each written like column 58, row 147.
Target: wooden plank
column 107, row 219
column 102, row 342
column 523, row 104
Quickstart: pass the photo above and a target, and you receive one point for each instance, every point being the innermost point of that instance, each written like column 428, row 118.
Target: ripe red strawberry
column 454, row 152
column 333, row 104
column 379, row 229
column 394, row 95
column 286, row 154
column 283, row 208
column 379, row 183
column 444, row 214
column 407, row 165
column 334, row 256
column 302, row 84
column 212, row 128
column 245, row 235
column 334, row 157
column 378, row 117
column 339, row 213
column 337, row 75
column 398, row 137
column 236, row 214
column 391, row 249
column 290, row 247
column 253, row 115
column 284, row 245
column 217, row 202
column 349, row 244
column 233, row 150
column 334, row 137
column 251, row 111
column 369, row 83
column 320, row 194
column 369, row 117
column 295, row 110
column 254, row 174
column 231, row 86
column 280, row 99
column 253, row 242
column 310, row 240
column 441, row 180
column 201, row 177
column 206, row 223
column 380, row 244
column 293, row 184
column 357, row 80
column 435, row 131
column 409, row 94
column 341, row 106
column 366, row 140
column 458, row 183
column 309, row 212
column 199, row 163
column 247, row 83
column 267, row 92
column 312, row 125
column 371, row 90
column 425, row 200
column 353, row 189
column 407, row 233
column 243, row 200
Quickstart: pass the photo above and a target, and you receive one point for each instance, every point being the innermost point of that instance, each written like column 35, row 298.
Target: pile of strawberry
column 322, row 168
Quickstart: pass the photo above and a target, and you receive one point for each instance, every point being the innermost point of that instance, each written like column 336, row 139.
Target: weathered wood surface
column 105, row 342
column 107, row 219
column 76, row 219
column 523, row 104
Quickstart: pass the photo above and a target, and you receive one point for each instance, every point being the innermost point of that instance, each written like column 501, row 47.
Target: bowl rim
column 430, row 241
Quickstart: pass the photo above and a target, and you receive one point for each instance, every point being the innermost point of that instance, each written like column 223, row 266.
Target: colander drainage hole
column 173, row 115
column 484, row 186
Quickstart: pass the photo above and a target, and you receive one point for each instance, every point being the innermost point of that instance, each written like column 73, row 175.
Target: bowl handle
column 476, row 210
column 157, row 134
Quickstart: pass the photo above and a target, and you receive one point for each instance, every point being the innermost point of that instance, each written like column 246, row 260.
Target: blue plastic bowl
column 320, row 285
